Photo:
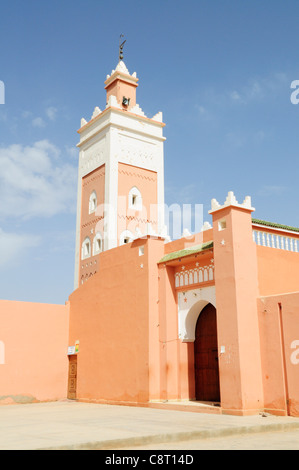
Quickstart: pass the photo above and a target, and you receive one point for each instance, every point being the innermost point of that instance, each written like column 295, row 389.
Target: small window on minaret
column 86, row 249
column 97, row 244
column 92, row 202
column 135, row 199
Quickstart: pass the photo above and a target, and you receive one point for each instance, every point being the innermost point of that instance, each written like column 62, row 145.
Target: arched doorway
column 207, row 386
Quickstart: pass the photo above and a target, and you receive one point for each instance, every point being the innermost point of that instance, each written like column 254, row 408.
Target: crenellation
column 231, row 201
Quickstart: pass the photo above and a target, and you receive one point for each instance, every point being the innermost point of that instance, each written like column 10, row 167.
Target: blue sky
column 220, row 71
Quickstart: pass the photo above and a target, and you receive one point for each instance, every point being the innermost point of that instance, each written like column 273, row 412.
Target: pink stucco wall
column 279, row 333
column 114, row 317
column 33, row 352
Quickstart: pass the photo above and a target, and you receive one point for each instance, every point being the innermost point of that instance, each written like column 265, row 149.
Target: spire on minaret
column 121, row 46
column 121, row 83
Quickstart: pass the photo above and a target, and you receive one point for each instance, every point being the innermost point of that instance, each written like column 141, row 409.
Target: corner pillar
column 236, row 283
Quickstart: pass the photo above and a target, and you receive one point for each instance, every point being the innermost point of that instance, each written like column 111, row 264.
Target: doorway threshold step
column 187, row 405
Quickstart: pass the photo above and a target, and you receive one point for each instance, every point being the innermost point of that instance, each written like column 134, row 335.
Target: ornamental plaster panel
column 194, row 275
column 138, row 152
column 93, row 157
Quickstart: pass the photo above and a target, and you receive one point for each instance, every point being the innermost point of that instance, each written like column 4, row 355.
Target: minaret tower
column 121, row 174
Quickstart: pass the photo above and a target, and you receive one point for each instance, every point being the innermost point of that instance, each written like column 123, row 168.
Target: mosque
column 207, row 322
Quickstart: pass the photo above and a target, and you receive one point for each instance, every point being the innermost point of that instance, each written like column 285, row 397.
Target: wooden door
column 72, row 381
column 207, row 386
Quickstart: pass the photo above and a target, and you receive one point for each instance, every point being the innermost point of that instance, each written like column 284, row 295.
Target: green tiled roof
column 271, row 224
column 186, row 252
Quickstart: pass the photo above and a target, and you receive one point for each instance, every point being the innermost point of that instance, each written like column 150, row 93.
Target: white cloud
column 252, row 90
column 13, row 246
column 34, row 181
column 51, row 113
column 38, row 122
column 258, row 88
column 235, row 96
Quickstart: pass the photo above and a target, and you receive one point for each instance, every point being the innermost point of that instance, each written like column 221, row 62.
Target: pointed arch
column 97, row 244
column 92, row 202
column 86, row 248
column 135, row 199
column 191, row 303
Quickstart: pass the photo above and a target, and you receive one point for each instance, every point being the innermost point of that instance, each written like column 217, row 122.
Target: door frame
column 72, row 377
column 211, row 356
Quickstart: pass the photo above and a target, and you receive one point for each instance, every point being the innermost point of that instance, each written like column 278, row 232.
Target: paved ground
column 279, row 440
column 72, row 425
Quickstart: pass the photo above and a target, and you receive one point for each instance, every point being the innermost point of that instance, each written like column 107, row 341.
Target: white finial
column 206, row 226
column 230, row 199
column 186, row 233
column 247, row 202
column 96, row 112
column 137, row 110
column 121, row 67
column 215, row 205
column 112, row 101
column 158, row 117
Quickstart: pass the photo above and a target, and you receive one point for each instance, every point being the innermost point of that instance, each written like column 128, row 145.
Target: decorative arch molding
column 86, row 248
column 97, row 244
column 135, row 199
column 92, row 202
column 190, row 304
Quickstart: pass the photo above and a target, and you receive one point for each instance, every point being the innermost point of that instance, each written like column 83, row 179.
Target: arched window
column 92, row 202
column 86, row 249
column 97, row 244
column 135, row 199
column 126, row 237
